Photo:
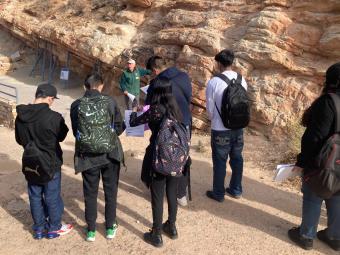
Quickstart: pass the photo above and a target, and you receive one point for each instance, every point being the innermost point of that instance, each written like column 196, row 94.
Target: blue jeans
column 224, row 144
column 311, row 209
column 46, row 204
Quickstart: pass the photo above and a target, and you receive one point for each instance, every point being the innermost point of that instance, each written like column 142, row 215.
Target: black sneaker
column 170, row 230
column 154, row 237
column 334, row 244
column 210, row 194
column 228, row 192
column 305, row 243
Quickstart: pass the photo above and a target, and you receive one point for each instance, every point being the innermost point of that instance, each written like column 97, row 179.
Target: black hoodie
column 45, row 127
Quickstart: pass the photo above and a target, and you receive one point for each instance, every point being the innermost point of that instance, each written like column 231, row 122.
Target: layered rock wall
column 283, row 47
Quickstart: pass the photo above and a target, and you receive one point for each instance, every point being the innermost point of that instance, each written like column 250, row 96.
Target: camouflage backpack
column 95, row 134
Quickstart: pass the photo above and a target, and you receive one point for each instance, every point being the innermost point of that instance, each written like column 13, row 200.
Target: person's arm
column 210, row 102
column 143, row 72
column 63, row 130
column 122, row 83
column 149, row 94
column 117, row 119
column 19, row 135
column 151, row 115
column 318, row 129
column 74, row 117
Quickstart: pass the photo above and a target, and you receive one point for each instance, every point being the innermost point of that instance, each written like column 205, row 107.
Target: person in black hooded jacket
column 182, row 92
column 47, row 128
column 320, row 123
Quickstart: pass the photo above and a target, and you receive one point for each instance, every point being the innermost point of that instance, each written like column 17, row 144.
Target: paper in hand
column 145, row 89
column 284, row 172
column 133, row 131
column 131, row 97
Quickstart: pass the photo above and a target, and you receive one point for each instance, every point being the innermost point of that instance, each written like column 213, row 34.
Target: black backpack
column 171, row 150
column 235, row 106
column 325, row 179
column 36, row 166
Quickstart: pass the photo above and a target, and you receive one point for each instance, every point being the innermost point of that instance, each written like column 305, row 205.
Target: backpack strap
column 336, row 100
column 223, row 78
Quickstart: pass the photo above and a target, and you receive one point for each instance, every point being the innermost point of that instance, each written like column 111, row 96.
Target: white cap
column 131, row 61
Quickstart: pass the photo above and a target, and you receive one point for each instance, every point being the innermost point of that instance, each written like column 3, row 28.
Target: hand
column 126, row 93
column 140, row 108
column 297, row 169
column 134, row 109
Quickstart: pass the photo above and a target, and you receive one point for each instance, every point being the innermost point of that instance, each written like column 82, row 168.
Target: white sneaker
column 182, row 201
column 65, row 229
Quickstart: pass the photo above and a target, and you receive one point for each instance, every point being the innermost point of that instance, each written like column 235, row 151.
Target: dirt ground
column 255, row 224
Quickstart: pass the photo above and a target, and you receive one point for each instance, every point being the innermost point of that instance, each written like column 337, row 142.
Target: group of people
column 97, row 124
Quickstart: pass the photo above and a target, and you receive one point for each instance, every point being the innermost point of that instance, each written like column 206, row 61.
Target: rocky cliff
column 283, row 47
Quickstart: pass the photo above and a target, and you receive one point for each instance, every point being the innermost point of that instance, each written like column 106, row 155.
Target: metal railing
column 11, row 95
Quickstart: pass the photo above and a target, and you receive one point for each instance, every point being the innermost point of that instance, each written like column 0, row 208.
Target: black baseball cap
column 46, row 90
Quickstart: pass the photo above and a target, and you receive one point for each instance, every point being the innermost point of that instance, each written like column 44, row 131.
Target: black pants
column 182, row 186
column 91, row 177
column 158, row 185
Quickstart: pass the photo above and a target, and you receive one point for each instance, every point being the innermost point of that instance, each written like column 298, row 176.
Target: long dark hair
column 332, row 85
column 162, row 96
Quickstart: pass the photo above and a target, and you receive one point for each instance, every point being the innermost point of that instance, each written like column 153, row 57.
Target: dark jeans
column 311, row 209
column 224, row 144
column 130, row 104
column 158, row 185
column 91, row 177
column 46, row 204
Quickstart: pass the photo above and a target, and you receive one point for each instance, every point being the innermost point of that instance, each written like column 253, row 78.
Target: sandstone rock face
column 283, row 47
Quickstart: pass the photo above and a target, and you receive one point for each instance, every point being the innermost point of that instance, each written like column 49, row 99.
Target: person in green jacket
column 130, row 82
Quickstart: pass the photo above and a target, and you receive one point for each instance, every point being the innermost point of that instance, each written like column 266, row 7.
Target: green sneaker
column 111, row 232
column 91, row 236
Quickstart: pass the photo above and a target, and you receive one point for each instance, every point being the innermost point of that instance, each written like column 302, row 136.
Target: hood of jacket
column 170, row 73
column 32, row 112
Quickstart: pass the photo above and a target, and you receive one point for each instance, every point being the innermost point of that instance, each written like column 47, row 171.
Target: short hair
column 86, row 82
column 156, row 62
column 94, row 81
column 225, row 57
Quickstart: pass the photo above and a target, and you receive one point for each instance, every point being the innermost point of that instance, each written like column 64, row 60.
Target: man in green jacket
column 130, row 82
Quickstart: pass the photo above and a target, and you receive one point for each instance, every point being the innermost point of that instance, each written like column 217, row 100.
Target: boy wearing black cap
column 46, row 128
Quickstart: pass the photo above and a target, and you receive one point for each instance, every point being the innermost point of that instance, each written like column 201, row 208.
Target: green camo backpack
column 95, row 134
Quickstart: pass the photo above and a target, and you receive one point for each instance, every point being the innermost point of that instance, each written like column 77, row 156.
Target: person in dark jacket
column 92, row 165
column 46, row 128
column 162, row 104
column 182, row 91
column 319, row 121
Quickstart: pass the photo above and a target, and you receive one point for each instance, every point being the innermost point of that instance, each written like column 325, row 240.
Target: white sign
column 133, row 131
column 64, row 74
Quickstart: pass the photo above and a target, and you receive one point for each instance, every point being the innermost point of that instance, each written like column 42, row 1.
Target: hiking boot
column 170, row 230
column 65, row 229
column 305, row 243
column 154, row 238
column 230, row 194
column 182, row 201
column 210, row 194
column 111, row 232
column 38, row 235
column 91, row 236
column 334, row 244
